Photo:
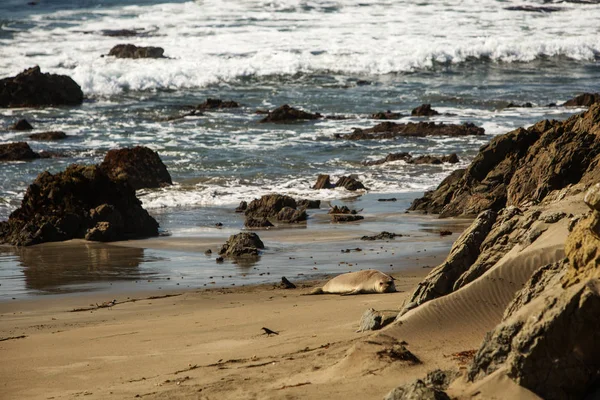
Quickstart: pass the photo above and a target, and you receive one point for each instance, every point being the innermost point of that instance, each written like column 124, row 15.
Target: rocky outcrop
column 348, row 182
column 386, row 115
column 409, row 159
column 424, row 110
column 286, row 114
column 269, row 205
column 323, row 182
column 432, row 387
column 71, row 204
column 465, row 251
column 18, row 151
column 242, row 244
column 522, row 166
column 139, row 166
column 217, row 104
column 21, row 125
column 32, row 88
column 132, row 51
column 52, row 135
column 583, row 100
column 547, row 341
column 533, row 9
column 391, row 130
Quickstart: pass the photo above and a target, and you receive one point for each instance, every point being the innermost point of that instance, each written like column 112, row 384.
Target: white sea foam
column 210, row 42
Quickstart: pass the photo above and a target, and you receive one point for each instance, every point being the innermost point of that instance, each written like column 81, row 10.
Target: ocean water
column 467, row 58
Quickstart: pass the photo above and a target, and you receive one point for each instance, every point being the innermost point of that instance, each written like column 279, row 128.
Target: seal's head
column 386, row 285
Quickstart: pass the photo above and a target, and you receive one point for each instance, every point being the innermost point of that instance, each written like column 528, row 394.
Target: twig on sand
column 12, row 338
column 296, row 385
column 110, row 304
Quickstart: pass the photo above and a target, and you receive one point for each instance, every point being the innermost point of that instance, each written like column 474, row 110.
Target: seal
column 368, row 281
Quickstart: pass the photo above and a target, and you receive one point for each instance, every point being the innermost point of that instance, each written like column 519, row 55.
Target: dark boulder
column 346, row 217
column 350, row 183
column 216, row 104
column 132, row 51
column 257, row 223
column 309, row 204
column 391, row 130
column 242, row 244
column 71, row 204
column 242, row 207
column 386, row 115
column 291, row 215
column 382, row 236
column 409, row 159
column 17, row 152
column 286, row 114
column 52, row 135
column 323, row 182
column 424, row 110
column 524, row 105
column 21, row 125
column 32, row 88
column 583, row 100
column 139, row 166
column 269, row 205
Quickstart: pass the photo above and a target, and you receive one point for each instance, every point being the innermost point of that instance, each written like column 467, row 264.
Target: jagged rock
column 132, row 51
column 349, row 183
column 341, row 210
column 382, row 236
column 65, row 205
column 409, row 159
column 102, row 232
column 269, row 205
column 139, row 166
column 291, row 215
column 215, row 104
column 523, row 165
column 242, row 207
column 309, row 204
column 372, row 320
column 463, row 254
column 286, row 284
column 242, row 244
column 52, row 135
column 286, row 114
column 257, row 223
column 386, row 115
column 390, row 130
column 21, row 125
column 16, row 152
column 583, row 100
column 430, row 388
column 434, row 200
column 32, row 88
column 323, row 182
column 424, row 110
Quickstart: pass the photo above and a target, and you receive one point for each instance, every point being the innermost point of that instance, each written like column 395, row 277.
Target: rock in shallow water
column 140, row 166
column 132, row 51
column 17, row 152
column 242, row 244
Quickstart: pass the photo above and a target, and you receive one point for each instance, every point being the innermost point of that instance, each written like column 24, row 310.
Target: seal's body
column 368, row 281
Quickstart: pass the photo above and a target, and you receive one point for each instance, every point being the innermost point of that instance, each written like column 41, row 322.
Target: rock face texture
column 583, row 100
column 391, row 130
column 139, row 166
column 17, row 152
column 80, row 202
column 242, row 244
column 522, row 166
column 132, row 51
column 32, row 88
column 548, row 339
column 286, row 114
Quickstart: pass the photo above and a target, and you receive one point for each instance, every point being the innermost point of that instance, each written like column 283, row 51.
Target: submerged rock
column 287, row 114
column 391, row 130
column 52, row 135
column 17, row 152
column 409, row 159
column 32, row 88
column 216, row 104
column 21, row 125
column 140, row 166
column 71, row 204
column 242, row 244
column 132, row 51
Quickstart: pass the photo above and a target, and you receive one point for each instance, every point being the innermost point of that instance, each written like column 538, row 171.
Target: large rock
column 323, row 182
column 21, row 125
column 424, row 110
column 70, row 203
column 522, row 166
column 391, row 130
column 583, row 100
column 350, row 183
column 17, row 152
column 32, row 88
column 286, row 114
column 132, row 51
column 242, row 244
column 268, row 206
column 139, row 166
